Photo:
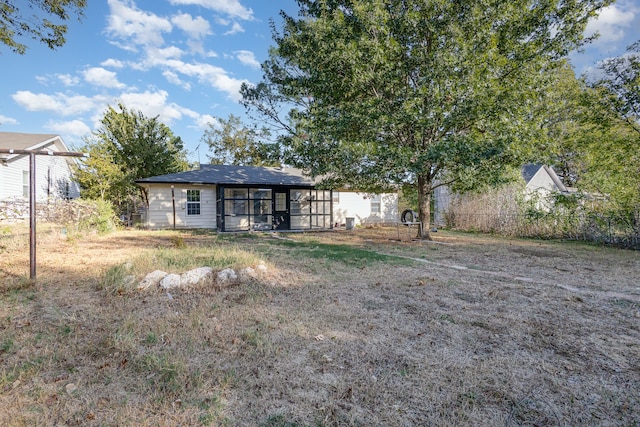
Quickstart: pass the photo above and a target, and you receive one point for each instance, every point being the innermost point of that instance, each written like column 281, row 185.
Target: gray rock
column 197, row 276
column 226, row 277
column 246, row 274
column 152, row 279
column 170, row 281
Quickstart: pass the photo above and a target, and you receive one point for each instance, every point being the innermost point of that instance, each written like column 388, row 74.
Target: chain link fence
column 621, row 230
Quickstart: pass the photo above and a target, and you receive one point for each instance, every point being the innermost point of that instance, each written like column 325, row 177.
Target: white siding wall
column 12, row 183
column 160, row 212
column 358, row 206
column 442, row 198
column 52, row 175
column 541, row 186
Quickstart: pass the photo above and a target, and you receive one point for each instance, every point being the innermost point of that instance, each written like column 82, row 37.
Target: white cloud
column 203, row 121
column 59, row 103
column 215, row 76
column 4, row 120
column 157, row 56
column 101, row 77
column 235, row 28
column 229, row 7
column 196, row 46
column 174, row 79
column 247, row 58
column 43, row 80
column 195, row 28
column 113, row 63
column 153, row 104
column 136, row 26
column 68, row 79
column 76, row 128
column 612, row 22
column 65, row 79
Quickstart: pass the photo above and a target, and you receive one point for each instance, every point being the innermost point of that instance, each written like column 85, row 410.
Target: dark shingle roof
column 229, row 174
column 529, row 170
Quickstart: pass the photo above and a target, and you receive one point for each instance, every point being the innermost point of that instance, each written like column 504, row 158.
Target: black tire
column 408, row 216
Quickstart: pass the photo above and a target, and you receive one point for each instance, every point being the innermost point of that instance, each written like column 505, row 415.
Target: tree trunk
column 424, row 205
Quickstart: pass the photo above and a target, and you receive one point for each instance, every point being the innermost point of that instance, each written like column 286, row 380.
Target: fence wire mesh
column 615, row 229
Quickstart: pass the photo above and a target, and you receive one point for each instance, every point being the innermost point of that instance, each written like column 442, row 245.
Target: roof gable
column 529, row 171
column 29, row 141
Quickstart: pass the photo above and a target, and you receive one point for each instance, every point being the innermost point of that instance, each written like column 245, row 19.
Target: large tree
column 128, row 146
column 615, row 158
column 31, row 19
column 427, row 91
column 231, row 142
column 591, row 132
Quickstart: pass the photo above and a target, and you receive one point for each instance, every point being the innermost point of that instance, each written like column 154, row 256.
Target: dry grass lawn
column 345, row 329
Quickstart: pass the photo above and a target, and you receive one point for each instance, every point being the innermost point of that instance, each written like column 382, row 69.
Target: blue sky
column 182, row 60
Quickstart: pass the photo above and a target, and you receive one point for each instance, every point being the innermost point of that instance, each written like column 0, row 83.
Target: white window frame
column 376, row 204
column 193, row 205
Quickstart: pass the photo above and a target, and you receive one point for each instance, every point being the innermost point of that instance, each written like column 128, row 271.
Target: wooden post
column 173, row 203
column 32, row 215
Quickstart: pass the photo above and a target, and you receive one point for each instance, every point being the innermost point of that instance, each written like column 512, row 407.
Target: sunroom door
column 281, row 220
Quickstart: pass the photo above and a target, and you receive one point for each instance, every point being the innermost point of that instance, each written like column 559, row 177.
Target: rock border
column 201, row 276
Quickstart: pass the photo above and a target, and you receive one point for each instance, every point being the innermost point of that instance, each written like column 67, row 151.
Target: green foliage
column 15, row 23
column 178, row 242
column 385, row 92
column 613, row 161
column 102, row 217
column 232, row 143
column 279, row 420
column 113, row 281
column 592, row 133
column 127, row 147
column 166, row 374
column 345, row 254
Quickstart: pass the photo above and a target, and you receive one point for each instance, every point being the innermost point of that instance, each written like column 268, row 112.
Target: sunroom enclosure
column 242, row 208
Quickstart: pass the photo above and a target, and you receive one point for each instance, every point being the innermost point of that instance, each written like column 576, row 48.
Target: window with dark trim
column 310, row 209
column 247, row 208
column 193, row 202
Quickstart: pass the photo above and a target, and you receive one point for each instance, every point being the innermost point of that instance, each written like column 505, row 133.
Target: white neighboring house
column 251, row 198
column 540, row 182
column 53, row 173
column 365, row 208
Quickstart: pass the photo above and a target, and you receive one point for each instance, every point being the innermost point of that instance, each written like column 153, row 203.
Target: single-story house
column 247, row 198
column 54, row 174
column 540, row 182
